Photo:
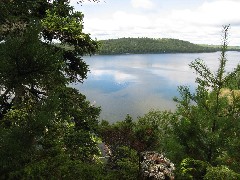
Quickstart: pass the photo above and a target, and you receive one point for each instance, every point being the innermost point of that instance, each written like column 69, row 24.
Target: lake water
column 135, row 84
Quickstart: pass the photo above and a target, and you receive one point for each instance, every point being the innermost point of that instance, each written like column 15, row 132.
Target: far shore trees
column 150, row 46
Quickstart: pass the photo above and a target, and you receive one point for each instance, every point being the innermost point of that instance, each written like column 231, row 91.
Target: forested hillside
column 148, row 45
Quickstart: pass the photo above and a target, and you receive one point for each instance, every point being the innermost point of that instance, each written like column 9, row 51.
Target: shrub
column 221, row 173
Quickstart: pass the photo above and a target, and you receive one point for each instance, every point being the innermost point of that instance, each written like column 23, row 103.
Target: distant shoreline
column 154, row 46
column 164, row 53
column 125, row 46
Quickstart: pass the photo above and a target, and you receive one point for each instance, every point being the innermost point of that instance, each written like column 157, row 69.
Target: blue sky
column 197, row 21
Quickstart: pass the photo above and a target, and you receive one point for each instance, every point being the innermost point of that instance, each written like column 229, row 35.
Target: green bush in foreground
column 208, row 120
column 221, row 173
column 192, row 169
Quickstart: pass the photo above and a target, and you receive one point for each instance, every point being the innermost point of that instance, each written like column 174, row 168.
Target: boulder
column 155, row 166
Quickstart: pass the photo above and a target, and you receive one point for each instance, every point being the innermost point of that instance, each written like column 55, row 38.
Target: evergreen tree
column 208, row 120
column 46, row 127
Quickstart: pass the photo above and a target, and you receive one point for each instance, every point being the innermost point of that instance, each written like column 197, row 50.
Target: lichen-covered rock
column 155, row 166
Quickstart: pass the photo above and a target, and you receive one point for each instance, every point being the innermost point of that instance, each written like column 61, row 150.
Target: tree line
column 49, row 130
column 149, row 45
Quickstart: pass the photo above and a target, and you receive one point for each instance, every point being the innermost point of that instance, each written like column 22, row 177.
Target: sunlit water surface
column 135, row 84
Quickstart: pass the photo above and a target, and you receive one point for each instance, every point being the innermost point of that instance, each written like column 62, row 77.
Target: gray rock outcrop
column 155, row 166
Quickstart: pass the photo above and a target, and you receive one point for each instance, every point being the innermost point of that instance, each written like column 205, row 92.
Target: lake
column 136, row 83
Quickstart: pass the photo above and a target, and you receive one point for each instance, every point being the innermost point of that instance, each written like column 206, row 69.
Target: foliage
column 196, row 169
column 127, row 139
column 221, row 173
column 126, row 163
column 208, row 125
column 149, row 132
column 47, row 129
column 154, row 131
column 61, row 167
column 148, row 45
column 28, row 66
column 119, row 134
column 47, row 134
column 192, row 169
column 118, row 138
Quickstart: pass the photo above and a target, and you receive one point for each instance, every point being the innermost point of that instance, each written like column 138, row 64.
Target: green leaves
column 46, row 127
column 206, row 78
column 220, row 173
column 192, row 169
column 206, row 118
column 27, row 61
column 63, row 26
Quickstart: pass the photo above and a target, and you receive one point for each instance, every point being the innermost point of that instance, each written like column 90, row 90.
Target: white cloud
column 196, row 25
column 121, row 24
column 211, row 13
column 145, row 4
column 129, row 21
column 206, row 20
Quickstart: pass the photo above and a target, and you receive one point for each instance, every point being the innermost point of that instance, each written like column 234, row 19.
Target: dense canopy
column 149, row 45
column 45, row 125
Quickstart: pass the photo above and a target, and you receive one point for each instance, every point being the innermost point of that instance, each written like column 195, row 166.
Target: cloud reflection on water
column 118, row 76
column 134, row 84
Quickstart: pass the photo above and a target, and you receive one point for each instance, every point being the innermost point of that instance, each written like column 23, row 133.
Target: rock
column 155, row 166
